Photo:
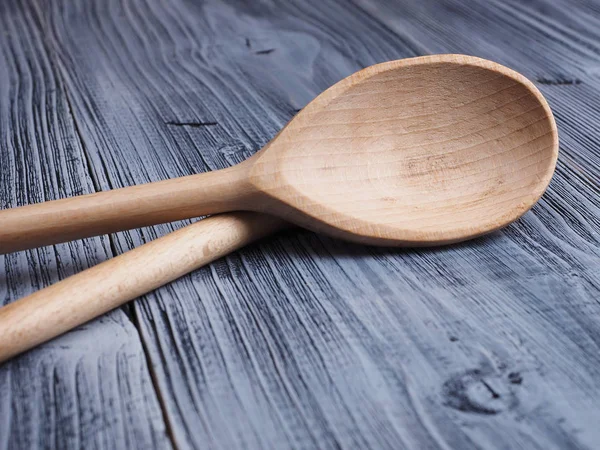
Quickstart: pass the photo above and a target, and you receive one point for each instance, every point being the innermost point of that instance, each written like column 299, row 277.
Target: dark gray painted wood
column 303, row 341
column 90, row 388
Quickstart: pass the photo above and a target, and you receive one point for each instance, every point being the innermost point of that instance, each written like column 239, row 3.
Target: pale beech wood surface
column 355, row 163
column 61, row 307
column 416, row 152
column 299, row 341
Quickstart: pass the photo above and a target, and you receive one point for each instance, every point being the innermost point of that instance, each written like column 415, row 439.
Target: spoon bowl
column 421, row 151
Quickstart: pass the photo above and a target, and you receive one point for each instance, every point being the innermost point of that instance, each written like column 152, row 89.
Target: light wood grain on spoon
column 73, row 301
column 422, row 151
column 416, row 152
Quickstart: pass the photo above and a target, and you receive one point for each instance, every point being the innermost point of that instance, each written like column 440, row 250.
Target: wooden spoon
column 421, row 151
column 78, row 299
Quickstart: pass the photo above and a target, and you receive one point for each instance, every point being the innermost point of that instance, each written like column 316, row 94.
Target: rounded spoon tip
column 421, row 151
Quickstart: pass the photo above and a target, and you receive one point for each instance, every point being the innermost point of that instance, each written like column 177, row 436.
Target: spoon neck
column 216, row 191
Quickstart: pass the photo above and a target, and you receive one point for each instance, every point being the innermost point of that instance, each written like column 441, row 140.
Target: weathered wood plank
column 303, row 341
column 90, row 388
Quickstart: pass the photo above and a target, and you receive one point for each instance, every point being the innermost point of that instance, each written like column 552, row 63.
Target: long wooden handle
column 56, row 309
column 123, row 209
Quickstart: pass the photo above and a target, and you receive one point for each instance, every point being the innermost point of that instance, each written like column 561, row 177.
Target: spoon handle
column 123, row 209
column 73, row 301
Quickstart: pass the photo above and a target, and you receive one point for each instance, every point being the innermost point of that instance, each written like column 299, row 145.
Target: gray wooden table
column 299, row 341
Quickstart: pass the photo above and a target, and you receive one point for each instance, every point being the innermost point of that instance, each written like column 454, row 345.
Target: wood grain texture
column 91, row 388
column 421, row 151
column 415, row 152
column 82, row 216
column 457, row 146
column 303, row 341
column 76, row 300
